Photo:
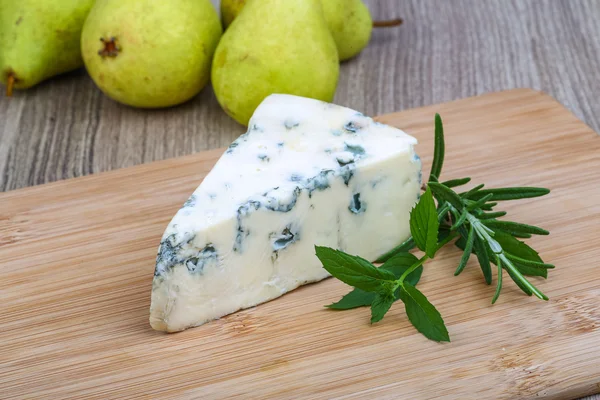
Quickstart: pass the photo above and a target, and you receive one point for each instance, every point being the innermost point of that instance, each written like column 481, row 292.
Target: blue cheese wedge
column 306, row 173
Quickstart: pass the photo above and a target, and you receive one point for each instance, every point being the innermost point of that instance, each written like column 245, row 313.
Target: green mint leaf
column 380, row 306
column 531, row 271
column 515, row 227
column 424, row 224
column 439, row 150
column 406, row 246
column 484, row 260
column 356, row 298
column 353, row 270
column 515, row 193
column 396, row 265
column 456, row 182
column 400, row 263
column 423, row 315
column 467, row 249
column 444, row 193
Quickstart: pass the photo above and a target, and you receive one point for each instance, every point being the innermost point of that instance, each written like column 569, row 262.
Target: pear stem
column 9, row 84
column 388, row 23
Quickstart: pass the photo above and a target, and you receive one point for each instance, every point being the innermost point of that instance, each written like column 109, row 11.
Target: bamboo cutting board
column 77, row 260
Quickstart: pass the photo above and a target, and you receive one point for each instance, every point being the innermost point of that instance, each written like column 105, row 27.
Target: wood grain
column 77, row 261
column 445, row 50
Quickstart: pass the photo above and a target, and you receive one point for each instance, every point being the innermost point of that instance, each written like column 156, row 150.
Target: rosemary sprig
column 468, row 217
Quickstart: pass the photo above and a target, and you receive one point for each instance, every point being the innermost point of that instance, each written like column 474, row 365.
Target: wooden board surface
column 77, row 259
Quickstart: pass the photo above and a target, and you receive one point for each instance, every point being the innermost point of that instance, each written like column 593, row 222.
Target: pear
column 350, row 24
column 348, row 20
column 150, row 54
column 274, row 46
column 39, row 39
column 229, row 10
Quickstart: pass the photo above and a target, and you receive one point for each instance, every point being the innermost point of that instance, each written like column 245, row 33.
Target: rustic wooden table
column 445, row 50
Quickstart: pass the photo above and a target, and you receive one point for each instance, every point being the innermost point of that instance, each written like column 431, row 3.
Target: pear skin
column 349, row 21
column 229, row 10
column 274, row 46
column 350, row 24
column 39, row 39
column 150, row 54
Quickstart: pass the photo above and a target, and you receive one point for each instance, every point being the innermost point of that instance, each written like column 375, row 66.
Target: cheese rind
column 306, row 173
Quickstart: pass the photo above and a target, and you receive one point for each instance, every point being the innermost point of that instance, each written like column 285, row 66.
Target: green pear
column 348, row 20
column 150, row 54
column 274, row 46
column 39, row 39
column 350, row 24
column 230, row 9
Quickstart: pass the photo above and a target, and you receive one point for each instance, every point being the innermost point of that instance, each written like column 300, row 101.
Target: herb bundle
column 469, row 219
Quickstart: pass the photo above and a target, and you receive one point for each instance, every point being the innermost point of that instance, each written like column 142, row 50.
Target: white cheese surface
column 306, row 173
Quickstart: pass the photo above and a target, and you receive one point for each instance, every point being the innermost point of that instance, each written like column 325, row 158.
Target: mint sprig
column 353, row 270
column 405, row 269
column 424, row 224
column 397, row 265
column 423, row 315
column 468, row 216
